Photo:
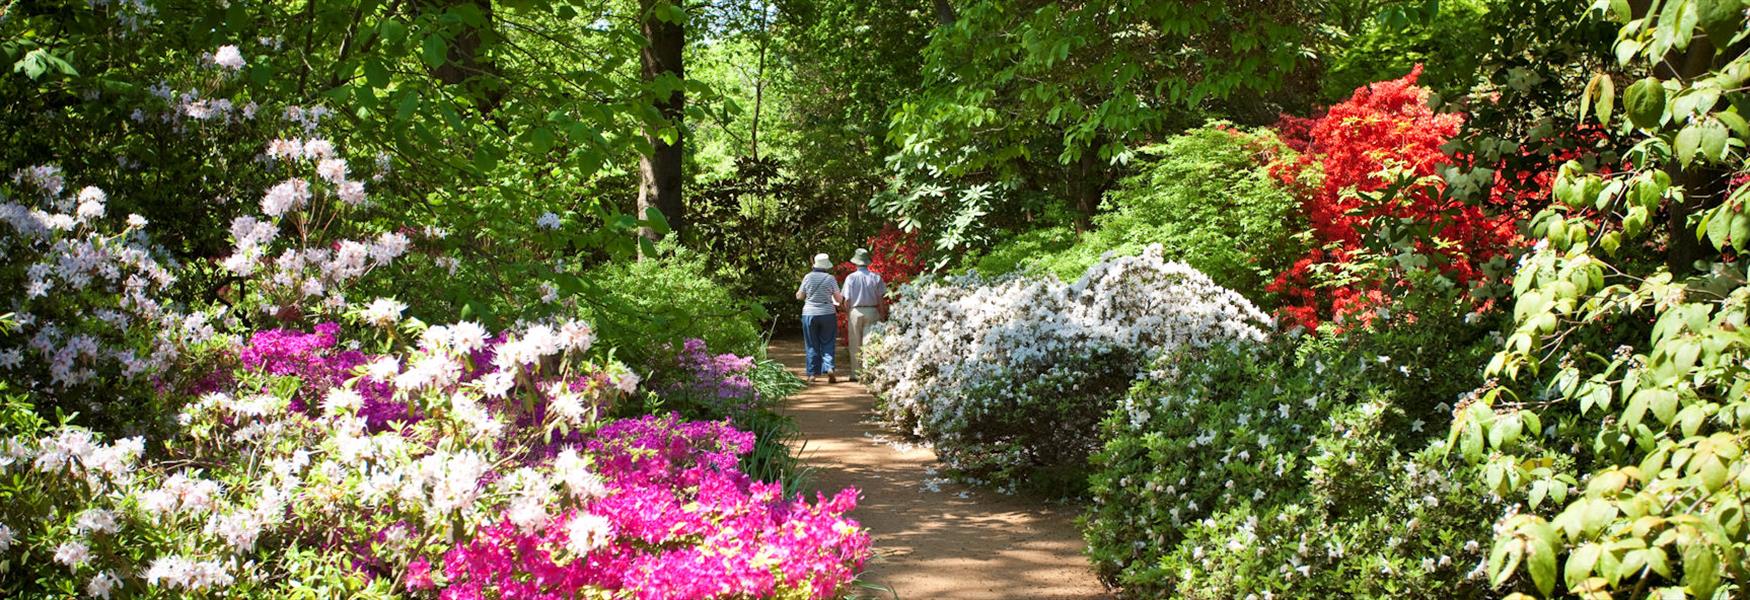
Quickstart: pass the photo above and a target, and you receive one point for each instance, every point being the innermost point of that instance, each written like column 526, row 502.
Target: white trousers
column 858, row 322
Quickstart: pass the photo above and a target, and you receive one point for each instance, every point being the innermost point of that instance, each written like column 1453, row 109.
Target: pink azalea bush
column 681, row 522
column 314, row 359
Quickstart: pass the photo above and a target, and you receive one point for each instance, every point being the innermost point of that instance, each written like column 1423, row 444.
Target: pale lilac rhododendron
column 228, row 56
column 89, row 296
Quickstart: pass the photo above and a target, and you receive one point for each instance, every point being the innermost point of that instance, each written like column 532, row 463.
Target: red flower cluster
column 1358, row 144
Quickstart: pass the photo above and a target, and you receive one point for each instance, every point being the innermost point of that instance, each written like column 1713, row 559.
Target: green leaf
column 1505, row 558
column 1541, row 562
column 656, row 222
column 1721, row 19
column 1701, row 569
column 376, row 74
column 1713, row 140
column 1580, row 564
column 408, row 105
column 1621, row 10
column 432, row 51
column 1688, row 141
column 1606, row 99
column 393, row 31
column 1644, row 103
column 1737, row 124
column 541, row 139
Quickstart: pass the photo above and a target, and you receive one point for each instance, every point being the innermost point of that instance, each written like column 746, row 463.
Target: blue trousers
column 820, row 333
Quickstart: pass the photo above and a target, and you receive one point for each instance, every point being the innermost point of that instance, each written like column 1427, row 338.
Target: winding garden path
column 933, row 539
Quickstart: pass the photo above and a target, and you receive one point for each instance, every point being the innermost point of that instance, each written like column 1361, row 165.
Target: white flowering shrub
column 1012, row 375
column 286, row 251
column 1303, row 468
column 88, row 294
column 257, row 469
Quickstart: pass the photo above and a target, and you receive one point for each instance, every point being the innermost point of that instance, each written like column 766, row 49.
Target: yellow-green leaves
column 1644, row 103
column 1530, row 540
column 1604, row 89
column 1720, row 19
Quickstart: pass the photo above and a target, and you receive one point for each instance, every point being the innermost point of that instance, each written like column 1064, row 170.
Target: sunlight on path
column 933, row 539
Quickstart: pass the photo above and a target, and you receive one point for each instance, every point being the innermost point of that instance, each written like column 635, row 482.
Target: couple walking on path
column 822, row 300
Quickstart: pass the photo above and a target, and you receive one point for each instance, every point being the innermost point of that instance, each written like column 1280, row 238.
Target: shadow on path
column 958, row 543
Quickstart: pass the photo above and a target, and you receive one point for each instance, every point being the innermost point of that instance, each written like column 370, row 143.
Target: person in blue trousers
column 820, row 298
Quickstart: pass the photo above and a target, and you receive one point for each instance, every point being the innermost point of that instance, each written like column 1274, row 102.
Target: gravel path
column 933, row 539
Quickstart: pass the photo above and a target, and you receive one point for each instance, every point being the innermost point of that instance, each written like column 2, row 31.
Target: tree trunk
column 464, row 60
column 759, row 86
column 1088, row 184
column 944, row 13
column 1704, row 184
column 660, row 170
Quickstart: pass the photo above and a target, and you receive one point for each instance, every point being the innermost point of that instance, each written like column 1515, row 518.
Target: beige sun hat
column 861, row 258
column 822, row 262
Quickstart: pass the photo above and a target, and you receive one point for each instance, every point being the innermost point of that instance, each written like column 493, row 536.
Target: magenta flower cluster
column 679, row 522
column 315, row 358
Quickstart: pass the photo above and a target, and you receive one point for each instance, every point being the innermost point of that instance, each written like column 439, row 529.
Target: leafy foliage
column 1638, row 331
column 663, row 301
column 1206, row 196
column 1025, row 98
column 1298, row 468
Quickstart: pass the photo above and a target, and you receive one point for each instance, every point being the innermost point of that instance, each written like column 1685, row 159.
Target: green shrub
column 1025, row 250
column 1308, row 468
column 658, row 302
column 1206, row 195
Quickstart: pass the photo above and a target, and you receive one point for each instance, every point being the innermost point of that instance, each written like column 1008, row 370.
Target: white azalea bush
column 1010, row 376
column 1302, row 468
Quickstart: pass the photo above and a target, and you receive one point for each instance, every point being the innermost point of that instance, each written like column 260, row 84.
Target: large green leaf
column 1644, row 103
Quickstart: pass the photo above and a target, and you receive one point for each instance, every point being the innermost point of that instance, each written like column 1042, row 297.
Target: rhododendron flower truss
column 1369, row 185
column 680, row 523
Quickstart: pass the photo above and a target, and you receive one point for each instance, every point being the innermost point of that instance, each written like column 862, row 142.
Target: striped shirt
column 864, row 288
column 817, row 290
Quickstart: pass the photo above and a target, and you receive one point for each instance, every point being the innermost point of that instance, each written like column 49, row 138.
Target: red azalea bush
column 895, row 254
column 1375, row 159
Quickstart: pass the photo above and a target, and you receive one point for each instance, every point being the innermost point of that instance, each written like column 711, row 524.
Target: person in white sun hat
column 864, row 294
column 820, row 298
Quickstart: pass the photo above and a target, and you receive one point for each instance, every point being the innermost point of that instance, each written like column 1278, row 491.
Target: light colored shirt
column 864, row 288
column 817, row 291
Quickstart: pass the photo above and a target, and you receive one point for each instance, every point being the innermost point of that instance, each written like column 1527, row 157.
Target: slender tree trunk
column 1088, row 183
column 759, row 86
column 660, row 170
column 1704, row 184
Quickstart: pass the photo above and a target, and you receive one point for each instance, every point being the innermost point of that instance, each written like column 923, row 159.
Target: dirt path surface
column 933, row 539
